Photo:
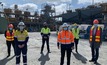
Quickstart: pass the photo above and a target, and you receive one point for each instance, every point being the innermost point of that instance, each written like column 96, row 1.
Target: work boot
column 91, row 60
column 8, row 56
column 95, row 62
column 49, row 52
column 41, row 52
column 76, row 51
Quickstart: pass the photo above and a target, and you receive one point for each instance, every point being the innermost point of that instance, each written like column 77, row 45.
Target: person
column 21, row 39
column 9, row 35
column 65, row 40
column 45, row 33
column 75, row 32
column 95, row 40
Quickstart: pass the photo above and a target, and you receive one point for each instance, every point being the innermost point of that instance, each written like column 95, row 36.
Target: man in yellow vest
column 45, row 33
column 21, row 39
column 9, row 34
column 95, row 40
column 75, row 31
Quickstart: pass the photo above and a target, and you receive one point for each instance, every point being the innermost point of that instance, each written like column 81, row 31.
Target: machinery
column 104, row 12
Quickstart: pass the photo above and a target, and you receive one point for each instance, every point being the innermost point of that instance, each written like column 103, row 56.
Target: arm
column 49, row 32
column 72, row 40
column 42, row 31
column 26, row 40
column 27, row 37
column 72, row 37
column 58, row 40
column 101, row 36
column 15, row 38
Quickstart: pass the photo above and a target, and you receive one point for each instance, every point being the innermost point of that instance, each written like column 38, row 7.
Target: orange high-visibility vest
column 9, row 37
column 97, row 35
column 65, row 37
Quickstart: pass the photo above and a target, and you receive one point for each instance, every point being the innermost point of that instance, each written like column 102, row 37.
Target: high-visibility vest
column 75, row 32
column 21, row 36
column 45, row 30
column 97, row 35
column 9, row 37
column 65, row 37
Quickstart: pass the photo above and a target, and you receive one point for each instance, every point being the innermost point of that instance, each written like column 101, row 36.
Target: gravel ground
column 35, row 58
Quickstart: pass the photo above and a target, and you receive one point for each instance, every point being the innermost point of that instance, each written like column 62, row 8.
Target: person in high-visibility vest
column 9, row 35
column 21, row 39
column 45, row 33
column 65, row 40
column 95, row 40
column 75, row 32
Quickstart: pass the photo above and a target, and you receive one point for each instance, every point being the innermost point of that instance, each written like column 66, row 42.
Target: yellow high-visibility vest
column 45, row 30
column 21, row 36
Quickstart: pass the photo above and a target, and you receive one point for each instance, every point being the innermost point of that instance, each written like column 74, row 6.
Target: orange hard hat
column 10, row 26
column 95, row 21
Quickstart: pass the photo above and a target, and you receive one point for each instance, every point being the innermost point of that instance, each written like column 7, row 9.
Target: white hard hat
column 65, row 25
column 21, row 24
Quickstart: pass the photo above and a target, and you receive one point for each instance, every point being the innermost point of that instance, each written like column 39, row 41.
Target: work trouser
column 95, row 53
column 76, row 44
column 65, row 48
column 9, row 43
column 43, row 43
column 18, row 55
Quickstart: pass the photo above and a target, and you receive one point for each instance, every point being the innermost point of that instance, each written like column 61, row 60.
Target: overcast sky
column 60, row 5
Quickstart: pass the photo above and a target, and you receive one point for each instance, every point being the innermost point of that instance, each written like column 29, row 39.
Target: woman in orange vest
column 9, row 35
column 66, row 40
column 95, row 40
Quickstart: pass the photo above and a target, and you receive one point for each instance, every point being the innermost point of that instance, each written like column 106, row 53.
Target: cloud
column 45, row 1
column 90, row 1
column 61, row 8
column 29, row 6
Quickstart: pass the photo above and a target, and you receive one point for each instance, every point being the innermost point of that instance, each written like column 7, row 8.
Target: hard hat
column 21, row 24
column 10, row 26
column 75, row 24
column 95, row 21
column 65, row 25
column 45, row 24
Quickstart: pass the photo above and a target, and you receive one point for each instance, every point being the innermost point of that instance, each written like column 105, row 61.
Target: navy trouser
column 47, row 43
column 95, row 53
column 76, row 44
column 9, row 43
column 18, row 55
column 65, row 48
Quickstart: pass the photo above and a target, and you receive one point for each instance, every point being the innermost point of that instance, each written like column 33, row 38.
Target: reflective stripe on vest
column 9, row 37
column 97, row 37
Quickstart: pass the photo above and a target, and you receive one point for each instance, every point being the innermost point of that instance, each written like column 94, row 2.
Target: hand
column 48, row 35
column 23, row 45
column 20, row 46
column 58, row 47
column 72, row 47
column 42, row 35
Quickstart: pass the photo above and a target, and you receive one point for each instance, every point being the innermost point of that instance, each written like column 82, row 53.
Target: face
column 75, row 26
column 21, row 27
column 10, row 28
column 95, row 25
column 65, row 28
